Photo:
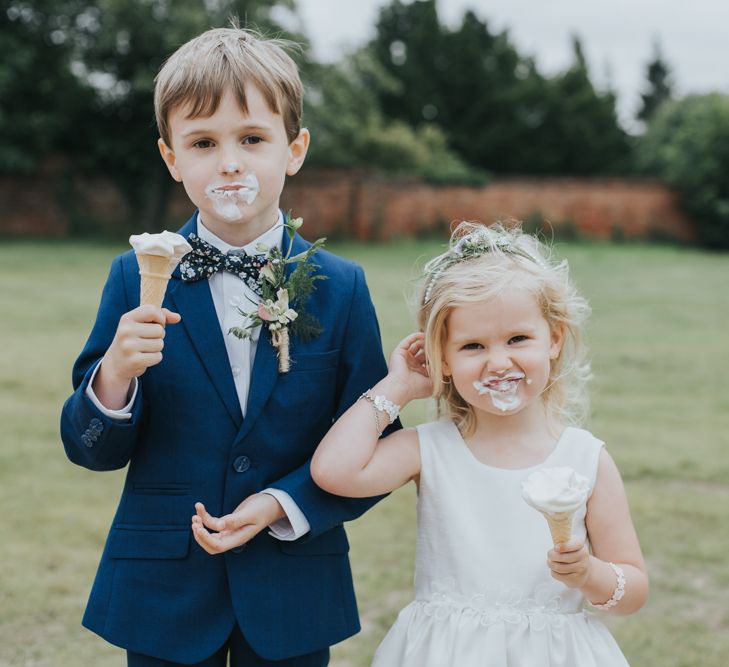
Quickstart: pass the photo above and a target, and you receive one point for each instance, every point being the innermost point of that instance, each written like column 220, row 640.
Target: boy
column 213, row 421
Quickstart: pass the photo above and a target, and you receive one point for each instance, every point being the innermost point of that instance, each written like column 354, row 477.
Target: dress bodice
column 484, row 596
column 477, row 538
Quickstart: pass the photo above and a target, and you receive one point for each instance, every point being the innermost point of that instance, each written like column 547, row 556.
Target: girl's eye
column 252, row 140
column 472, row 346
column 203, row 143
column 517, row 339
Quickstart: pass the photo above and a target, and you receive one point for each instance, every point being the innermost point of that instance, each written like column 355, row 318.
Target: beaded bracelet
column 381, row 404
column 617, row 593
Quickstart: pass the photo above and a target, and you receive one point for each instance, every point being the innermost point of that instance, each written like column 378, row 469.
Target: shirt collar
column 271, row 238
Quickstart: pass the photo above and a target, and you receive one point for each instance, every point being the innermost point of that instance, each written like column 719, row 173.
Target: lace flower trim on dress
column 496, row 605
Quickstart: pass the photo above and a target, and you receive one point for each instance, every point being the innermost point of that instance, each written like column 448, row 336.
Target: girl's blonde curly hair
column 480, row 263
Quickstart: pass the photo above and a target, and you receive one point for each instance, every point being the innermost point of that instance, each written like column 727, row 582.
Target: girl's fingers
column 413, row 338
column 573, row 544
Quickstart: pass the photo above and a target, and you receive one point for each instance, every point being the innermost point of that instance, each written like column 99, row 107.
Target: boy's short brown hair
column 200, row 71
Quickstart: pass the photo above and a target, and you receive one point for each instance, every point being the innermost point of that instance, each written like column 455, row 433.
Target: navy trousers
column 241, row 655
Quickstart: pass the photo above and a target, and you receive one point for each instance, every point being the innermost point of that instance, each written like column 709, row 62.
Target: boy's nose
column 230, row 167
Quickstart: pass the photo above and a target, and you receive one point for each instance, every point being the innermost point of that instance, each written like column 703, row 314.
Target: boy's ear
column 168, row 155
column 297, row 152
column 557, row 336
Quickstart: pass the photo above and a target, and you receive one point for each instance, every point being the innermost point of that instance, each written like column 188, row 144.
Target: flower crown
column 476, row 243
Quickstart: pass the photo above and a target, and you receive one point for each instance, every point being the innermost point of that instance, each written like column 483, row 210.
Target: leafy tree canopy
column 659, row 85
column 496, row 110
column 77, row 76
column 687, row 145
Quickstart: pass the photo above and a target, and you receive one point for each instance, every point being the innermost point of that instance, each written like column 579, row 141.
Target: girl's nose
column 498, row 362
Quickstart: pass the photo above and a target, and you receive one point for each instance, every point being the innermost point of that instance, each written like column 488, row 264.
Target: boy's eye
column 518, row 339
column 203, row 143
column 252, row 140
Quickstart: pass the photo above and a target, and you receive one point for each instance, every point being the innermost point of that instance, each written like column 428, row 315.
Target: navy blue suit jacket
column 156, row 591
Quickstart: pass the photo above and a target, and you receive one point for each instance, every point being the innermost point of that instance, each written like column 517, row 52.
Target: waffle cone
column 560, row 525
column 155, row 272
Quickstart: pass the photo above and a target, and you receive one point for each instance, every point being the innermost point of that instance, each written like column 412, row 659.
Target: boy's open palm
column 235, row 529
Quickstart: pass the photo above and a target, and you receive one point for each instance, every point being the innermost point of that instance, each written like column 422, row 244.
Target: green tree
column 494, row 107
column 580, row 133
column 77, row 76
column 687, row 145
column 659, row 85
column 122, row 46
column 350, row 130
column 38, row 91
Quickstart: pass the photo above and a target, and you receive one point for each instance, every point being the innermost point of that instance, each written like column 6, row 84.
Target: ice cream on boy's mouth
column 557, row 493
column 503, row 390
column 227, row 196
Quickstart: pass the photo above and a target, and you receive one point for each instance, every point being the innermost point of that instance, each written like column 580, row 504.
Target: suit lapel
column 195, row 303
column 265, row 366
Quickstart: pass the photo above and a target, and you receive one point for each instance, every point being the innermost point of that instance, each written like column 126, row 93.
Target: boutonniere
column 282, row 308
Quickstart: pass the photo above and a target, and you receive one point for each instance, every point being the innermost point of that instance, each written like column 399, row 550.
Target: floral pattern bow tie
column 206, row 260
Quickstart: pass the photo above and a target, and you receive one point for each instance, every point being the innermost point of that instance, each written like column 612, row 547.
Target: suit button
column 241, row 464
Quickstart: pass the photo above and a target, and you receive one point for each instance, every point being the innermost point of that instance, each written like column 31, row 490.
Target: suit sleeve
column 91, row 438
column 363, row 365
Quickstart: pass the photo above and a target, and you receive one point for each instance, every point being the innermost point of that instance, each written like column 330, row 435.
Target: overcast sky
column 617, row 36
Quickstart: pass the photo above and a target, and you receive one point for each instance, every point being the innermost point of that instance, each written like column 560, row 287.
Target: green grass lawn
column 660, row 351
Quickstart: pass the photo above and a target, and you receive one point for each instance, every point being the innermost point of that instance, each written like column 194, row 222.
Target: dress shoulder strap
column 580, row 449
column 436, row 446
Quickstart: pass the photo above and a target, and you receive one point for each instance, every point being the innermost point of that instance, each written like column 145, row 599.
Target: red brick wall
column 379, row 208
column 29, row 205
column 358, row 205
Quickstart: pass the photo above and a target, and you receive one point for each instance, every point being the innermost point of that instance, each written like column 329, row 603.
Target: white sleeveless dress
column 484, row 596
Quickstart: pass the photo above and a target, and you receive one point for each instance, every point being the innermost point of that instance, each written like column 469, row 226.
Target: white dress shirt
column 230, row 293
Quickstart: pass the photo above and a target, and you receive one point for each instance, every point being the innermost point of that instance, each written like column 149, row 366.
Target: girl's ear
column 557, row 338
column 168, row 155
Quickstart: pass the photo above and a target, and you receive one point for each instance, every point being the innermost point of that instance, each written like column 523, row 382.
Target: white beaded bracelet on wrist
column 619, row 591
column 381, row 404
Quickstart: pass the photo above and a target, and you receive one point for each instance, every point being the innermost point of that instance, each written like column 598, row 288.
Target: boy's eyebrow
column 254, row 127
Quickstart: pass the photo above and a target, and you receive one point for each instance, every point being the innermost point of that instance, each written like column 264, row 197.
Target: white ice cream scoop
column 557, row 493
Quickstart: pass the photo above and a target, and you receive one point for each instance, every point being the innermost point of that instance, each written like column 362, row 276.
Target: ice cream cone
column 155, row 272
column 560, row 525
column 557, row 493
column 157, row 256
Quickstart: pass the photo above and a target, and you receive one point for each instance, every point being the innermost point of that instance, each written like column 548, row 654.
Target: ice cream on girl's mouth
column 503, row 390
column 227, row 197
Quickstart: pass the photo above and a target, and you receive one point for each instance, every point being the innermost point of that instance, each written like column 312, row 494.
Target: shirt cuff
column 123, row 413
column 294, row 524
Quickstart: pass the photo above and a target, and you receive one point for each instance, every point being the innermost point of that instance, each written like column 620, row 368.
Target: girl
column 502, row 352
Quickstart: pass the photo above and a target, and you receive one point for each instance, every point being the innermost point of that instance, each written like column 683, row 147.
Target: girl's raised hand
column 407, row 366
